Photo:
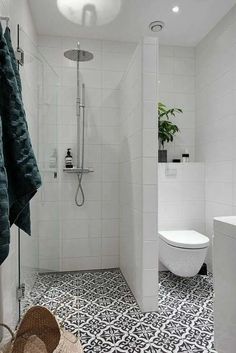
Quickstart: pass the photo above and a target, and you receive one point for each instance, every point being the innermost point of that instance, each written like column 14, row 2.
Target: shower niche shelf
column 78, row 170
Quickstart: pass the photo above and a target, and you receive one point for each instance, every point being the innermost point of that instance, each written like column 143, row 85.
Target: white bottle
column 53, row 159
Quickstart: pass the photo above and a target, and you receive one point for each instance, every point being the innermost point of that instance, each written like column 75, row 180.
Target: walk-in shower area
column 92, row 204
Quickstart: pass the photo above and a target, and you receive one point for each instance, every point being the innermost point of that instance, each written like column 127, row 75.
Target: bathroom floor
column 100, row 308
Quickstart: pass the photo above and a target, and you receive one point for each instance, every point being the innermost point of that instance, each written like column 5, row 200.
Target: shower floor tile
column 99, row 307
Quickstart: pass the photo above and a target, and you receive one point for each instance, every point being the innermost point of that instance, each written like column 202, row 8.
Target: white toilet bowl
column 182, row 251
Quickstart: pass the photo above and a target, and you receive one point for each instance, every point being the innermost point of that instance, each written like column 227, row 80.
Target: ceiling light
column 175, row 9
column 156, row 26
column 89, row 12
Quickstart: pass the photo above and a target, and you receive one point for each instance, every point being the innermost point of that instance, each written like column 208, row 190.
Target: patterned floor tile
column 99, row 307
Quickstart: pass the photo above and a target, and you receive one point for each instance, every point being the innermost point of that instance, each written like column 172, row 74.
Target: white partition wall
column 138, row 175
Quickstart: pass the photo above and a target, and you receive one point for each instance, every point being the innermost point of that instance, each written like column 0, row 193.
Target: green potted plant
column 166, row 129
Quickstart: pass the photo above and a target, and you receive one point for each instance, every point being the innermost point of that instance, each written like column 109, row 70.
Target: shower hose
column 81, row 173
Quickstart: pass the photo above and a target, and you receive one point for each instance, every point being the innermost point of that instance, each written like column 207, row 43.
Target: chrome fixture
column 79, row 55
column 156, row 26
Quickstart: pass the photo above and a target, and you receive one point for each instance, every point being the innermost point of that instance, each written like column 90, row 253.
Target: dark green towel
column 4, row 206
column 20, row 163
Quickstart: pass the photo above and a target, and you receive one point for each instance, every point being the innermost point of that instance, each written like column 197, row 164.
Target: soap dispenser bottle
column 68, row 159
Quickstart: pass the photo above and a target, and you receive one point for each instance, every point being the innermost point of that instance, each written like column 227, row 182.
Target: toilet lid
column 186, row 239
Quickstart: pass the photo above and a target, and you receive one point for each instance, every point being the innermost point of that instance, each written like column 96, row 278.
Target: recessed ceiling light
column 175, row 9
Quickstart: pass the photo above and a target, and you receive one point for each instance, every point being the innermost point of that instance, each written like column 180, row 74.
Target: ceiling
column 195, row 19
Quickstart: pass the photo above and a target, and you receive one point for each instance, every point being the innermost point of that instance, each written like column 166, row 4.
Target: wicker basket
column 39, row 332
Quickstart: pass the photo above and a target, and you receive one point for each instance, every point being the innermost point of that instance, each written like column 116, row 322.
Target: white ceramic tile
column 149, row 86
column 111, row 153
column 81, row 247
column 118, row 47
column 111, row 79
column 110, row 262
column 149, row 115
column 219, row 192
column 49, row 248
column 150, row 254
column 149, row 143
column 110, row 98
column 149, row 58
column 54, row 56
column 149, row 198
column 110, row 228
column 110, row 191
column 110, row 209
column 95, row 228
column 110, row 172
column 150, row 287
column 110, row 135
column 184, row 66
column 150, row 226
column 81, row 263
column 115, row 61
column 149, row 170
column 166, row 65
column 184, row 52
column 93, row 97
column 110, row 246
column 48, row 228
column 166, row 50
column 75, row 229
column 110, row 116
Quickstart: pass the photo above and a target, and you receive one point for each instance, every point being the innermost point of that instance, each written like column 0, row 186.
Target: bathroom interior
column 130, row 108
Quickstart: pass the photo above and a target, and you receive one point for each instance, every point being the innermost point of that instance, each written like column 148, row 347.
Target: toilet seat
column 184, row 239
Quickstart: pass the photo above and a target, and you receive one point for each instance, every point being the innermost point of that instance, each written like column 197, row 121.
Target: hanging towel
column 7, row 36
column 4, row 206
column 20, row 163
column 23, row 220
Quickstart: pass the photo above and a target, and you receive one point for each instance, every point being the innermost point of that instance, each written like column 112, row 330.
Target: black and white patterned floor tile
column 100, row 308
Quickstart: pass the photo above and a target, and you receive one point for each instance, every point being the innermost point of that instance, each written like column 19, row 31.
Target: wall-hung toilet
column 182, row 251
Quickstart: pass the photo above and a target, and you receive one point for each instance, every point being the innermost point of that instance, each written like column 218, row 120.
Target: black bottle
column 68, row 159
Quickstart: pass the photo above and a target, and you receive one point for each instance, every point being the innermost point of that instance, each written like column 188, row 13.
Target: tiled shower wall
column 89, row 237
column 19, row 12
column 177, row 89
column 215, row 121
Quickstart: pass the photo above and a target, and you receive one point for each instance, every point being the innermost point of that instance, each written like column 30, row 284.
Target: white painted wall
column 215, row 117
column 138, row 179
column 177, row 89
column 89, row 236
column 19, row 12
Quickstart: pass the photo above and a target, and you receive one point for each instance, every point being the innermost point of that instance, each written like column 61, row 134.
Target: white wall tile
column 177, row 89
column 110, row 246
column 83, row 247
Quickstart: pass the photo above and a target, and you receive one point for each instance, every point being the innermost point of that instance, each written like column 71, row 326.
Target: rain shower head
column 78, row 55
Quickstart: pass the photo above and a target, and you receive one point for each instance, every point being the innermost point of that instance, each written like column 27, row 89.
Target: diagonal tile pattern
column 100, row 308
